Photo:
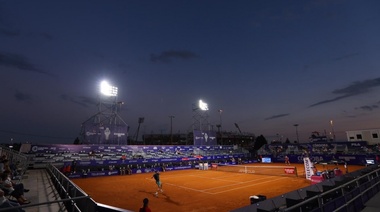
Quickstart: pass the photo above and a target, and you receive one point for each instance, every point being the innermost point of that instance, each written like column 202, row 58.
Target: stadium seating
column 350, row 192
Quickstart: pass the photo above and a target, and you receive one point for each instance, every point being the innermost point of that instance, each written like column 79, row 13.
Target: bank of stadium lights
column 203, row 105
column 107, row 89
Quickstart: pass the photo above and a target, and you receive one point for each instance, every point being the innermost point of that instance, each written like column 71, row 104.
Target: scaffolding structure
column 200, row 119
column 106, row 126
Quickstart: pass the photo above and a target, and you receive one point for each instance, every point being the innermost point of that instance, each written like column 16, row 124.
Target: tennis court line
column 215, row 178
column 239, row 183
column 214, row 193
column 192, row 189
column 200, row 174
column 245, row 186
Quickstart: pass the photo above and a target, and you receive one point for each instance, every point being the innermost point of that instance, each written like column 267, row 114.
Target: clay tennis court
column 192, row 190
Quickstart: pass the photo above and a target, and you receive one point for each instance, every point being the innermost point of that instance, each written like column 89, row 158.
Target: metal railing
column 350, row 196
column 73, row 197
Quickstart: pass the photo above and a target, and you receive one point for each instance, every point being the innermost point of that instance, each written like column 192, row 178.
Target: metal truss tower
column 200, row 119
column 106, row 126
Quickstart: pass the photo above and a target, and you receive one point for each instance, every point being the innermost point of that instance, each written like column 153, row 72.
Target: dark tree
column 287, row 141
column 260, row 141
column 76, row 141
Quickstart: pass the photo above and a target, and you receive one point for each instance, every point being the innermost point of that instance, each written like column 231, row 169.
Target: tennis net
column 288, row 171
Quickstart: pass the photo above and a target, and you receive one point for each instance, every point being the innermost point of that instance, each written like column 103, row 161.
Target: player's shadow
column 147, row 192
column 169, row 200
column 167, row 197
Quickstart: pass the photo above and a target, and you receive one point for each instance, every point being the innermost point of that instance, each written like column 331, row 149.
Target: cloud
column 16, row 33
column 9, row 33
column 167, row 56
column 23, row 97
column 317, row 63
column 368, row 107
column 343, row 57
column 328, row 101
column 46, row 36
column 81, row 100
column 21, row 63
column 88, row 100
column 277, row 116
column 354, row 89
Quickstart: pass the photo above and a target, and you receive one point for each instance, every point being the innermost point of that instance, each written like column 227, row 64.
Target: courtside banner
column 289, row 170
column 308, row 167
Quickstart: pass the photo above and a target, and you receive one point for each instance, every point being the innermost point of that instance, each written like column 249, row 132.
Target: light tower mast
column 106, row 126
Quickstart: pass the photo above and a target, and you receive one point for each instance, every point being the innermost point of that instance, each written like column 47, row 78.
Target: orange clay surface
column 193, row 190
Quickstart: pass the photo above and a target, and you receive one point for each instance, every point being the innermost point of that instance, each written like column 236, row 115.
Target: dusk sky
column 267, row 64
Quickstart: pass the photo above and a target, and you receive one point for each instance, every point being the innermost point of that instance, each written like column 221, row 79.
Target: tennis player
column 287, row 162
column 156, row 177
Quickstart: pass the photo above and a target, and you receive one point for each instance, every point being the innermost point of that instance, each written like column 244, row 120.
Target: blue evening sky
column 267, row 64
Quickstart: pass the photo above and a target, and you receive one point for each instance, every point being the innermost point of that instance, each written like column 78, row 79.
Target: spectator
column 5, row 203
column 129, row 170
column 15, row 191
column 7, row 168
column 287, row 162
column 145, row 207
column 123, row 157
column 1, row 166
column 74, row 166
column 17, row 186
column 122, row 170
column 315, row 170
column 345, row 167
column 15, row 170
column 91, row 155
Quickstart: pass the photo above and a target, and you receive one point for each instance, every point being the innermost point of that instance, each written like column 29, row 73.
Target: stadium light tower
column 296, row 125
column 108, row 102
column 220, row 111
column 332, row 130
column 203, row 105
column 171, row 129
column 106, row 126
column 107, row 89
column 204, row 108
column 200, row 116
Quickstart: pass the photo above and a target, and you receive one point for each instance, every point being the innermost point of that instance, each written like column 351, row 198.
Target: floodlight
column 107, row 89
column 203, row 105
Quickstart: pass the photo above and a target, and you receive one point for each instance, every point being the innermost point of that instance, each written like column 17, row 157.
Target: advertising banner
column 308, row 168
column 204, row 138
column 105, row 134
column 289, row 171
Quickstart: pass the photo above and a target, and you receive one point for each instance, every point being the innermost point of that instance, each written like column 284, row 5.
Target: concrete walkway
column 41, row 191
column 373, row 205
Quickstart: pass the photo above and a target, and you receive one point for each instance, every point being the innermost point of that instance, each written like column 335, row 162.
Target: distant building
column 372, row 136
column 224, row 138
column 316, row 137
